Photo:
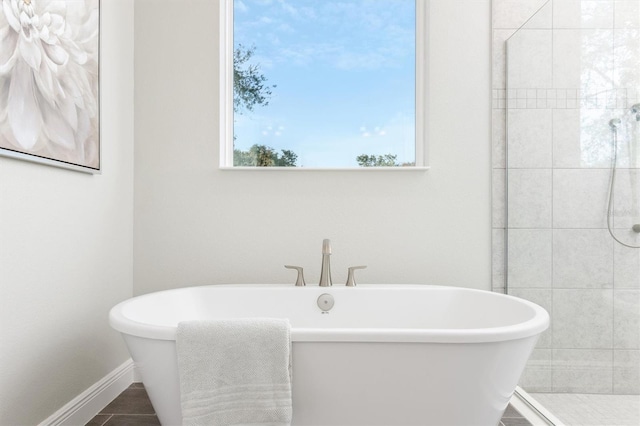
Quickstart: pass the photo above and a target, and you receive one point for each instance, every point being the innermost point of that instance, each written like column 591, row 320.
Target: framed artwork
column 49, row 82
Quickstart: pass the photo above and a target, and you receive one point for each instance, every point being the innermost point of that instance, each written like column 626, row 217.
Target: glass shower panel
column 573, row 69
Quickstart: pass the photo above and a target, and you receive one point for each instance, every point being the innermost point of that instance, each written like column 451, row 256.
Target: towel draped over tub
column 235, row 372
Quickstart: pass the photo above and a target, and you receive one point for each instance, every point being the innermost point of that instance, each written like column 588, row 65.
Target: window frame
column 226, row 93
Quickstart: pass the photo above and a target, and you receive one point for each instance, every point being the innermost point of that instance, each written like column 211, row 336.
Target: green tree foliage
column 249, row 84
column 264, row 156
column 250, row 89
column 387, row 160
column 288, row 159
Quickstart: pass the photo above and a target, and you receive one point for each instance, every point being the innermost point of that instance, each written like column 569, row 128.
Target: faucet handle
column 351, row 281
column 300, row 280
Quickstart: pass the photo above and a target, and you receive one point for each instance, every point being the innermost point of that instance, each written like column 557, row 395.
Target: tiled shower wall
column 572, row 67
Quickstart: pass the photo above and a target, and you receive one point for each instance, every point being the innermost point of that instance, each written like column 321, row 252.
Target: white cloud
column 377, row 131
column 288, row 8
column 354, row 35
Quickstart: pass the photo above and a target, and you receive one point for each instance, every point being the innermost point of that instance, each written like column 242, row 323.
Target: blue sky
column 345, row 77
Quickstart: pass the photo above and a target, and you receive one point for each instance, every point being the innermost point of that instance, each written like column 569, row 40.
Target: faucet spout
column 325, row 271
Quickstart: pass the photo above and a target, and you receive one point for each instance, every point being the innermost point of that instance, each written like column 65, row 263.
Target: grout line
column 108, row 418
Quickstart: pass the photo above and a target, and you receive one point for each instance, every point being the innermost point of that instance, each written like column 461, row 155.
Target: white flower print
column 49, row 79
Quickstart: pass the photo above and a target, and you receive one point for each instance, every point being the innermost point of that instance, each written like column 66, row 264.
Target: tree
column 288, row 159
column 387, row 160
column 249, row 84
column 250, row 89
column 264, row 156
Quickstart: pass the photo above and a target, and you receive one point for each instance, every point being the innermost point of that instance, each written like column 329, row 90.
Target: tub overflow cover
column 325, row 302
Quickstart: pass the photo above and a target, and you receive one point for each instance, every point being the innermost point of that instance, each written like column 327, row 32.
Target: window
column 323, row 84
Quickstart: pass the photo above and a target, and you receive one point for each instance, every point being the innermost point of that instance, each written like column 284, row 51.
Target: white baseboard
column 85, row 406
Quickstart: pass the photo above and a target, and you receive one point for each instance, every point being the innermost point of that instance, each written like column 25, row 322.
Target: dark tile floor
column 133, row 408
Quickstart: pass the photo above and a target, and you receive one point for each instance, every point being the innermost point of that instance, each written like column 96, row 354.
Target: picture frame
column 50, row 83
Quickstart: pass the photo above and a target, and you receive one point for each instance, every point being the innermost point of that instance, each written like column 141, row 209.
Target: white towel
column 235, row 372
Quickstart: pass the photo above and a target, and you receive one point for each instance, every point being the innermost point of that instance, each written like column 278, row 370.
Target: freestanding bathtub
column 383, row 355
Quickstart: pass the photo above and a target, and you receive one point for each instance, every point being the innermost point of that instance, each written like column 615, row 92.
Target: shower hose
column 614, row 166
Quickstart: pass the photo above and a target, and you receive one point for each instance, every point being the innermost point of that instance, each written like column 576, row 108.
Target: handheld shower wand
column 614, row 124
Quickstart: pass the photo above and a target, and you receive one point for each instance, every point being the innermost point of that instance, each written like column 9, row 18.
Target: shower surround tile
column 626, row 372
column 627, row 54
column 530, row 259
column 498, row 198
column 530, row 58
column 537, row 374
column 514, row 13
column 582, row 14
column 542, row 19
column 580, row 198
column 626, row 202
column 589, row 70
column 579, row 139
column 529, row 198
column 497, row 260
column 566, row 138
column 582, row 370
column 627, row 236
column 626, row 322
column 626, row 263
column 530, row 138
column 498, row 136
column 582, row 319
column 627, row 14
column 582, row 258
column 628, row 155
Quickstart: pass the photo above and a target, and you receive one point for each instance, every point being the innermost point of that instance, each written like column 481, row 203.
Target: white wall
column 195, row 224
column 68, row 242
column 66, row 253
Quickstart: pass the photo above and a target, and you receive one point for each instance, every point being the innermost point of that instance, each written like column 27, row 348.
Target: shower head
column 614, row 123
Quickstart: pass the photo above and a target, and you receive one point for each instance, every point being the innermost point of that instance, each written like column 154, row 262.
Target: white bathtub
column 384, row 354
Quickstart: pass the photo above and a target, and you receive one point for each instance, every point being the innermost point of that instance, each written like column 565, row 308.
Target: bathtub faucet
column 325, row 272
